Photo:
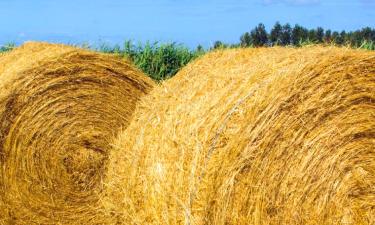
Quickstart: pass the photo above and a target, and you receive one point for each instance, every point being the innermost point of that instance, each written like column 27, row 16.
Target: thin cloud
column 291, row 2
column 368, row 2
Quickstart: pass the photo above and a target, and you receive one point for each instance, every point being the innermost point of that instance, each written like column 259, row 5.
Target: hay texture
column 59, row 108
column 252, row 136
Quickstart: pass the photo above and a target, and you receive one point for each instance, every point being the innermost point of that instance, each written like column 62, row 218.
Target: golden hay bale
column 252, row 136
column 59, row 108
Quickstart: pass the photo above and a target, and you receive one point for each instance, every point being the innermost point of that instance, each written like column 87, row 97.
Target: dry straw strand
column 59, row 108
column 252, row 136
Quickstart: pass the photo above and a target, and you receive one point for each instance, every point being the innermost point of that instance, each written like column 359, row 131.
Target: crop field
column 228, row 135
column 187, row 112
column 278, row 128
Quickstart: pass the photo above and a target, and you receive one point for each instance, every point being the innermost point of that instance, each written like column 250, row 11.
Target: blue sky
column 190, row 22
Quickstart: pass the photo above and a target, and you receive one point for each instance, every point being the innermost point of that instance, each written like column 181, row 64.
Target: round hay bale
column 59, row 108
column 252, row 136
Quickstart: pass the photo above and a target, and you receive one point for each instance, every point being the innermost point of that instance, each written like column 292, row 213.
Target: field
column 223, row 136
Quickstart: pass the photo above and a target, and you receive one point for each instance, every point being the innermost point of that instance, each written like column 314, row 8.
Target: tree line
column 285, row 34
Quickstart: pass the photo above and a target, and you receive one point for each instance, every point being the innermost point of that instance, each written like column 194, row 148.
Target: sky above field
column 190, row 22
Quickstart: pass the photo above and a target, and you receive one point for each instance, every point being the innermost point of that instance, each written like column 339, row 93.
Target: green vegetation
column 7, row 47
column 284, row 35
column 369, row 45
column 161, row 61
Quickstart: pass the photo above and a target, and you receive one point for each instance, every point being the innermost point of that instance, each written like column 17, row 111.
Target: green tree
column 312, row 35
column 276, row 33
column 356, row 38
column 200, row 49
column 218, row 44
column 335, row 37
column 245, row 40
column 299, row 35
column 259, row 35
column 328, row 36
column 368, row 34
column 340, row 40
column 319, row 35
column 286, row 34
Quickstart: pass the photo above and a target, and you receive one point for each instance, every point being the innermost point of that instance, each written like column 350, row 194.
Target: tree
column 340, row 39
column 335, row 37
column 367, row 34
column 328, row 36
column 312, row 35
column 259, row 35
column 200, row 48
column 218, row 44
column 286, row 34
column 356, row 38
column 319, row 34
column 299, row 35
column 276, row 32
column 245, row 40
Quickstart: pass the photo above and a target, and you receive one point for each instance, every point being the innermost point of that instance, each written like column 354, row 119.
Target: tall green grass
column 160, row 61
column 369, row 45
column 7, row 47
